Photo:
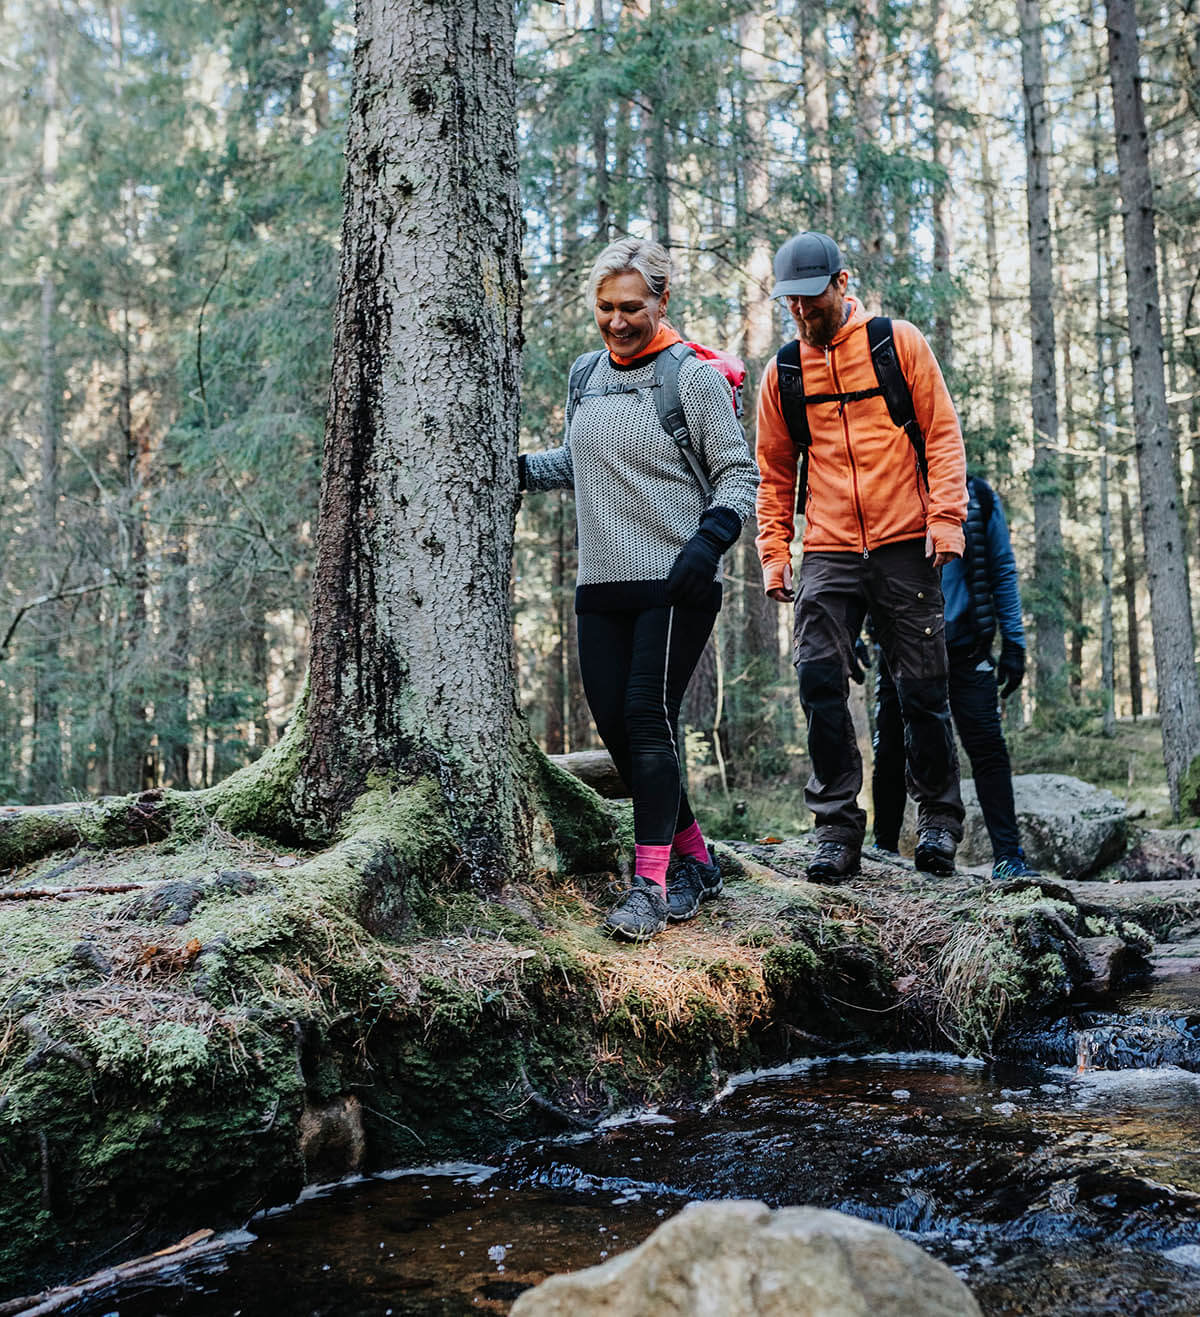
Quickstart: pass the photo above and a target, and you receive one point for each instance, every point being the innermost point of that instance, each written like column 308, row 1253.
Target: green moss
column 584, row 832
column 1189, row 789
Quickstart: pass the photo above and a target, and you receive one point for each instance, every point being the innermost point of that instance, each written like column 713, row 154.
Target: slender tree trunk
column 999, row 338
column 556, row 673
column 658, row 162
column 818, row 142
column 1071, row 563
column 46, row 774
column 943, row 343
column 600, row 131
column 1170, row 602
column 1129, row 580
column 757, row 658
column 411, row 665
column 1046, row 604
column 1108, row 687
column 868, row 113
column 172, row 719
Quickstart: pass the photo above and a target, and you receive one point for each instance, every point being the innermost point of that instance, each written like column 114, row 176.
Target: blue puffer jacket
column 980, row 588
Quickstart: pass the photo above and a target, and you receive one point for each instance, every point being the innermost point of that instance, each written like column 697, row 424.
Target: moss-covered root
column 28, row 832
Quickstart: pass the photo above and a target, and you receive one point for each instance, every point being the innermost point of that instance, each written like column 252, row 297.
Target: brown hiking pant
column 901, row 591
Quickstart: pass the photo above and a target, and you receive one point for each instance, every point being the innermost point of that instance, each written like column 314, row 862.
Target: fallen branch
column 552, row 1108
column 61, row 893
column 49, row 1301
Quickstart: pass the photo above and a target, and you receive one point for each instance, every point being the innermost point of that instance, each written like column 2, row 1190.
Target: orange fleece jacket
column 864, row 488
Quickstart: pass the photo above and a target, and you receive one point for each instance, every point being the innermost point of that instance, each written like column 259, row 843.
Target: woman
column 650, row 546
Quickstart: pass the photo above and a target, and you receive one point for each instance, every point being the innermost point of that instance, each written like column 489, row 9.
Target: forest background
column 171, row 205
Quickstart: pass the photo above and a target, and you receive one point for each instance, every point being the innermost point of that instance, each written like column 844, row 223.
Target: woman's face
column 627, row 313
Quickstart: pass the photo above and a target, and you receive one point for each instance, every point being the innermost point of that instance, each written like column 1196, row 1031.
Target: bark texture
column 411, row 668
column 1166, row 566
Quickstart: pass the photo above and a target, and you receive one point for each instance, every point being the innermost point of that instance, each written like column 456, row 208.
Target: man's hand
column 940, row 557
column 783, row 594
column 1010, row 670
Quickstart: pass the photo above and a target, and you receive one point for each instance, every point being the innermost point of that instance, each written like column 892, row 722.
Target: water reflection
column 1048, row 1191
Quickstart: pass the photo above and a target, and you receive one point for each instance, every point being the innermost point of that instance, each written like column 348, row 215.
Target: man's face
column 819, row 318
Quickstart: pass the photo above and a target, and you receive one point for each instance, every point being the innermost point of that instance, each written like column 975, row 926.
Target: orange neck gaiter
column 664, row 337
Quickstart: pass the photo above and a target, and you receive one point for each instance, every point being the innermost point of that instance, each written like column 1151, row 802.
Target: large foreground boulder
column 740, row 1259
column 1068, row 827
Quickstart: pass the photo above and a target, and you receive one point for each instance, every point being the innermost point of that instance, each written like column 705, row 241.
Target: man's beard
column 818, row 331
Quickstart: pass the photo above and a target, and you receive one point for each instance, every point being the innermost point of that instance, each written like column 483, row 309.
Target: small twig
column 398, row 1123
column 62, row 893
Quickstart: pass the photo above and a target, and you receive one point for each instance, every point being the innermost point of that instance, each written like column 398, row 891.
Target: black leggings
column 636, row 667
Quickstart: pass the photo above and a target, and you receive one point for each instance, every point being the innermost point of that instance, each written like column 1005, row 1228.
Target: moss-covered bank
column 159, row 1047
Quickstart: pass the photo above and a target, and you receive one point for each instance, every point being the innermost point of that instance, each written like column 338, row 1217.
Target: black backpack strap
column 581, row 372
column 793, row 403
column 895, row 388
column 670, row 410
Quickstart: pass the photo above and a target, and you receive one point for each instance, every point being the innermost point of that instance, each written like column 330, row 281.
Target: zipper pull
column 866, row 554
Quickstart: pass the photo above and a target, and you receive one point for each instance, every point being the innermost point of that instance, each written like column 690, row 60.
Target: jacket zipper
column 858, row 510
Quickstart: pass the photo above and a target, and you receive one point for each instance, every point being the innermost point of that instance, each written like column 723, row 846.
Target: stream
column 1050, row 1188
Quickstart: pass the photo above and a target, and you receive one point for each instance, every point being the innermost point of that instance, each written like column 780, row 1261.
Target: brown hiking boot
column 833, row 861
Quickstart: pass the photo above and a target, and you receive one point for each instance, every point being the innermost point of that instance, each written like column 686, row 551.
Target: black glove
column 1010, row 671
column 860, row 661
column 521, row 472
column 690, row 583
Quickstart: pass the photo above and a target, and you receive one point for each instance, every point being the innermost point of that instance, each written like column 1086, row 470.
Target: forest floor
column 193, row 1028
column 1129, row 764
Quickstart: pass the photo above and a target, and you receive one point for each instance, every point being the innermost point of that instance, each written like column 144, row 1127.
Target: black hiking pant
column 900, row 589
column 975, row 707
column 636, row 666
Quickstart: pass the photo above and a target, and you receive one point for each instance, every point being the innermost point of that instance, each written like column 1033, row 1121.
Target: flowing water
column 1051, row 1189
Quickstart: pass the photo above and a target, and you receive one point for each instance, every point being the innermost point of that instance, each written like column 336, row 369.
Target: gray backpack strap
column 581, row 372
column 670, row 410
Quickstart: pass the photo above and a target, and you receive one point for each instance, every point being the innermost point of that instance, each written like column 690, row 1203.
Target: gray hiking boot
column 935, row 852
column 640, row 914
column 833, row 861
column 690, row 882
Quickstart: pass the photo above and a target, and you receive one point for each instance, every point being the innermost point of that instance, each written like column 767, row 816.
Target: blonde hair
column 649, row 259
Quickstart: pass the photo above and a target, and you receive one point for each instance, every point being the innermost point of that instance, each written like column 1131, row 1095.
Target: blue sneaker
column 1014, row 866
column 688, row 883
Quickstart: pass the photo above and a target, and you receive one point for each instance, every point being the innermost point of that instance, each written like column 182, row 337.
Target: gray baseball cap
column 805, row 264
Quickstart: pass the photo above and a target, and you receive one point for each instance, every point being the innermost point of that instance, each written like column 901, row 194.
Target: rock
column 1107, row 958
column 740, row 1259
column 1067, row 826
column 1160, row 855
column 332, row 1141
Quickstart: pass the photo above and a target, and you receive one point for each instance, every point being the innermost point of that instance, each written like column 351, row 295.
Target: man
column 981, row 593
column 883, row 509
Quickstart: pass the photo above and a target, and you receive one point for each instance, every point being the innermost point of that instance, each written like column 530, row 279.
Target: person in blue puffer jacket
column 981, row 598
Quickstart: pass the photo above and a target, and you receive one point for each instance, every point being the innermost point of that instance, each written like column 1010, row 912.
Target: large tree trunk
column 1170, row 604
column 411, row 664
column 1046, row 603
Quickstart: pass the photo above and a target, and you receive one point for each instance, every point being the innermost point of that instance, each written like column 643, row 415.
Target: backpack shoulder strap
column 896, row 392
column 581, row 371
column 670, row 409
column 793, row 403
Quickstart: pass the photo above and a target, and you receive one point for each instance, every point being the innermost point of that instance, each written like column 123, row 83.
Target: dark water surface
column 1049, row 1191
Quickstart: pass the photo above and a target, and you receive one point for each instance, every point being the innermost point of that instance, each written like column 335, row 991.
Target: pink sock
column 690, row 843
column 651, row 862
